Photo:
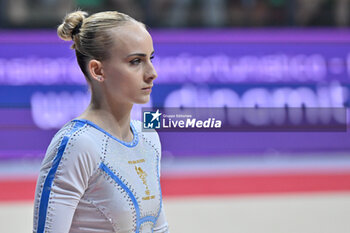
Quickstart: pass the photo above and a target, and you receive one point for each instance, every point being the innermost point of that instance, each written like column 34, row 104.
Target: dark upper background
column 184, row 13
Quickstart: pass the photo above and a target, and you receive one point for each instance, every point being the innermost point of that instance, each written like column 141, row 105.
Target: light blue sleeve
column 63, row 179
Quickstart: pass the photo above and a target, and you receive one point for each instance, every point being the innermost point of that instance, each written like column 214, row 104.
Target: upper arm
column 155, row 140
column 161, row 224
column 63, row 183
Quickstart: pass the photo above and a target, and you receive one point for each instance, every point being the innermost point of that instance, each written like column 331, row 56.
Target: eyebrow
column 139, row 54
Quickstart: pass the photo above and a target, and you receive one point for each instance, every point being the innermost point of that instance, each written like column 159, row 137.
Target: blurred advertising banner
column 41, row 87
column 225, row 119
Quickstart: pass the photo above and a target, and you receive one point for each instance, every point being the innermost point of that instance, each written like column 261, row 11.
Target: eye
column 151, row 58
column 135, row 61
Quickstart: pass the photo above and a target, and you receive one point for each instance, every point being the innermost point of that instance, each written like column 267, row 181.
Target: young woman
column 100, row 172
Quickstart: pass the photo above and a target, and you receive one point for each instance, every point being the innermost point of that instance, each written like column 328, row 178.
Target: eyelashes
column 137, row 61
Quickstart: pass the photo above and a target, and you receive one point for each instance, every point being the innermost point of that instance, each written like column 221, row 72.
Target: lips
column 147, row 90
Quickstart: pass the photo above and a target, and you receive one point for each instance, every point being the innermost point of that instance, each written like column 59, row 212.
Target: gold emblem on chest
column 142, row 175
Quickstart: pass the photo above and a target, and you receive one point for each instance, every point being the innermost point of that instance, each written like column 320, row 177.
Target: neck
column 114, row 117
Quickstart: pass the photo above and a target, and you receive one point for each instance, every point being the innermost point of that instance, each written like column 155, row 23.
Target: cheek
column 124, row 78
column 123, row 83
column 116, row 76
column 131, row 76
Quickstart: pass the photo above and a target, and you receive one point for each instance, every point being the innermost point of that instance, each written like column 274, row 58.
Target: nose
column 151, row 73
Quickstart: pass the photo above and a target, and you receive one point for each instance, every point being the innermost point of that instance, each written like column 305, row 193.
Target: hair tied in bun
column 76, row 30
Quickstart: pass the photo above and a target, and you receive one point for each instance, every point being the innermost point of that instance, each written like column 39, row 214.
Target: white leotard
column 91, row 181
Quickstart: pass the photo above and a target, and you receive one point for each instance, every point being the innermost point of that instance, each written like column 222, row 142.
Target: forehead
column 131, row 38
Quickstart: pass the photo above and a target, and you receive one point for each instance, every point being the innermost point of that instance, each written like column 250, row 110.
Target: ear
column 96, row 70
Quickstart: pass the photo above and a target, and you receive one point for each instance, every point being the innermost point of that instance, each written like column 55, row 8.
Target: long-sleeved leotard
column 92, row 182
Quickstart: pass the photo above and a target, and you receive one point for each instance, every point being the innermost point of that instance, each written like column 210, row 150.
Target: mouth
column 147, row 88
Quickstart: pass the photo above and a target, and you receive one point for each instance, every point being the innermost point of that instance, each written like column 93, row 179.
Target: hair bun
column 71, row 25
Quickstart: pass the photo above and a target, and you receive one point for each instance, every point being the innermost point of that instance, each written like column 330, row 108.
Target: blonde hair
column 91, row 35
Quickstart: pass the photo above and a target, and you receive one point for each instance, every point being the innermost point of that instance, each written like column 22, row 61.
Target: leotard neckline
column 133, row 143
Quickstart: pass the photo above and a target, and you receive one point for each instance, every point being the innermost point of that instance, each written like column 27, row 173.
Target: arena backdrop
column 41, row 86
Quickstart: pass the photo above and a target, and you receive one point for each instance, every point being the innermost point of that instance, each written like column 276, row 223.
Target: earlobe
column 96, row 70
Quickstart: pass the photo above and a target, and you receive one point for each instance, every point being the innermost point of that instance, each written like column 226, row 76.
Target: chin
column 142, row 101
